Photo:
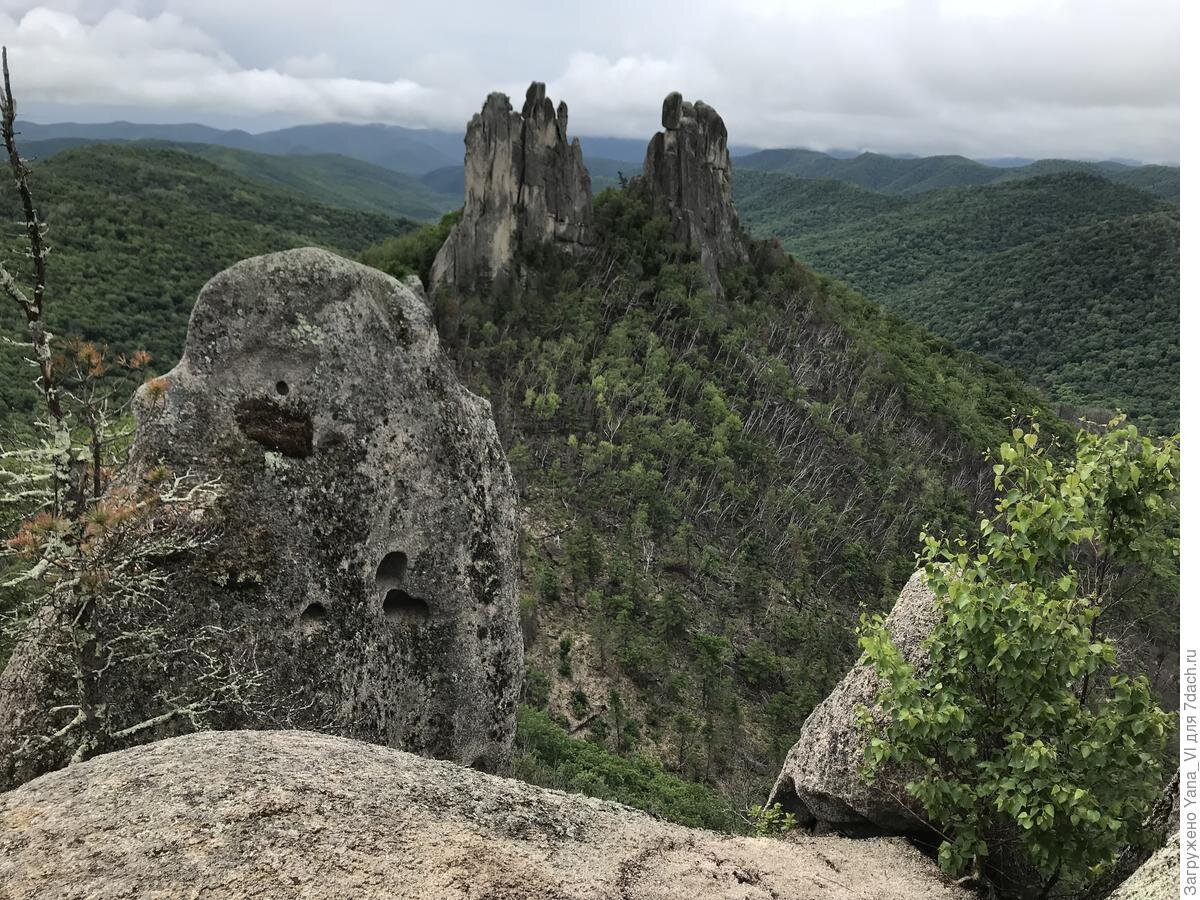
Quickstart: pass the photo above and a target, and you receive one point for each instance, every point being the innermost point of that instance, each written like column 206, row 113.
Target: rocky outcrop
column 276, row 815
column 526, row 186
column 362, row 561
column 1158, row 877
column 820, row 781
column 687, row 177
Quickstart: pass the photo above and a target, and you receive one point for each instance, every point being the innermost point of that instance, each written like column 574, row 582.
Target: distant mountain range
column 412, row 151
column 420, row 152
column 408, row 150
column 329, row 178
column 1068, row 277
column 1066, row 270
column 893, row 175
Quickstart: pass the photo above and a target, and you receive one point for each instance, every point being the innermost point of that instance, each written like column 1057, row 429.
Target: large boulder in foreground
column 688, row 178
column 275, row 815
column 821, row 781
column 526, row 187
column 362, row 567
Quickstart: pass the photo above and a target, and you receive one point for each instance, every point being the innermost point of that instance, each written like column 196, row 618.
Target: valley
column 1065, row 271
column 725, row 447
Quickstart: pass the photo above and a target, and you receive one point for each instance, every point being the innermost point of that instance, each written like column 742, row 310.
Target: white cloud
column 623, row 96
column 162, row 62
column 317, row 65
column 1030, row 77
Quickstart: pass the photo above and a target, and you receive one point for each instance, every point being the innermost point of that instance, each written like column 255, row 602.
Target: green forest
column 913, row 175
column 334, row 180
column 1069, row 278
column 714, row 487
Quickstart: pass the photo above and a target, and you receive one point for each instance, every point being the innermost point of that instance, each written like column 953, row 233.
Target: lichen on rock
column 1157, row 878
column 276, row 815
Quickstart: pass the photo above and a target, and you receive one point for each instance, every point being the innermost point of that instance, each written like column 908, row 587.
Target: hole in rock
column 483, row 764
column 275, row 427
column 391, row 570
column 314, row 612
column 400, row 604
column 281, row 388
column 785, row 795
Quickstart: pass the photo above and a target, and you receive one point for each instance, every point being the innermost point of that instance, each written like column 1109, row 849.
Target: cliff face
column 526, row 186
column 287, row 814
column 555, row 200
column 687, row 177
column 359, row 571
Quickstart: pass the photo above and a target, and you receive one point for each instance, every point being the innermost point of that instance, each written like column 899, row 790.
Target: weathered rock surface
column 820, row 780
column 295, row 814
column 364, row 560
column 687, row 176
column 1158, row 877
column 526, row 185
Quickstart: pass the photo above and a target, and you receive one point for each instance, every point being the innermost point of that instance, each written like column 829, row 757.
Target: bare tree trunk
column 33, row 307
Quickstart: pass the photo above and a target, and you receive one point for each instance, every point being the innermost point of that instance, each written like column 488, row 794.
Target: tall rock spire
column 526, row 185
column 687, row 178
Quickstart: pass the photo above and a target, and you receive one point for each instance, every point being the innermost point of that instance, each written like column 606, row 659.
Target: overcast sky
column 1078, row 78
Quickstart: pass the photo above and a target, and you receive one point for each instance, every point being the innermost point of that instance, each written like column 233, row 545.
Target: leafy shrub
column 547, row 756
column 772, row 820
column 548, row 587
column 579, row 703
column 564, row 657
column 535, row 691
column 1022, row 733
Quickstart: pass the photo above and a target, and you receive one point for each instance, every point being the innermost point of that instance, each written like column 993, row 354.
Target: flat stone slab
column 279, row 814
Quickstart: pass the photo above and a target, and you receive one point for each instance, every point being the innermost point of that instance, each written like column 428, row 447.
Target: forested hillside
column 334, row 180
column 1091, row 313
column 328, row 178
column 1161, row 181
column 898, row 175
column 137, row 231
column 711, row 488
column 1070, row 278
column 409, row 150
